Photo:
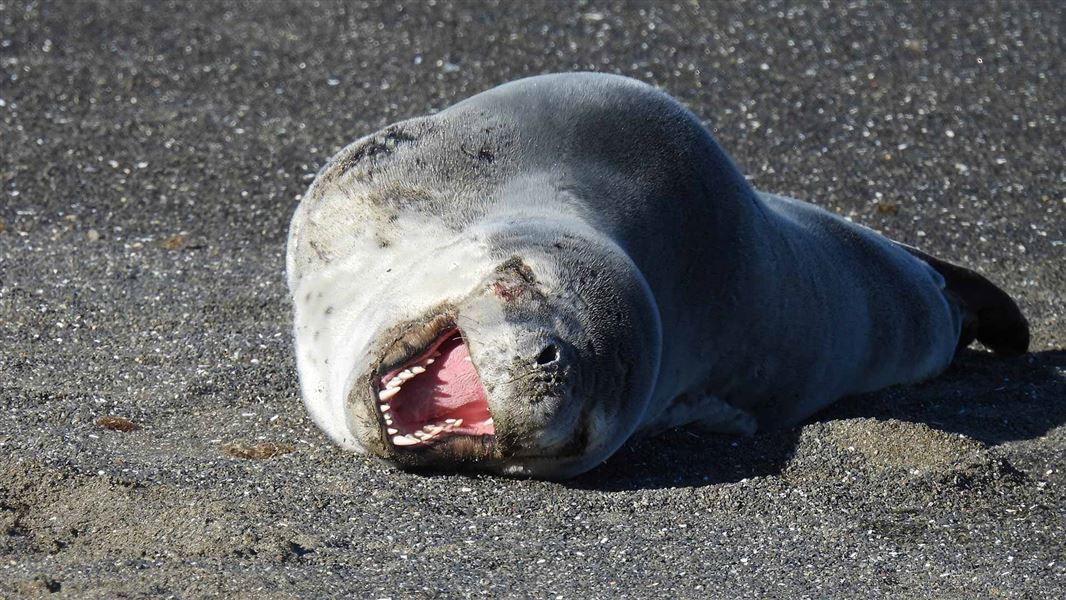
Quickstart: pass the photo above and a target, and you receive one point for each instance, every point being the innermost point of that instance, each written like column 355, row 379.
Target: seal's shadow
column 986, row 397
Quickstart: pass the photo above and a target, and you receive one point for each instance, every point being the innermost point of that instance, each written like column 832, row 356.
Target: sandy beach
column 152, row 438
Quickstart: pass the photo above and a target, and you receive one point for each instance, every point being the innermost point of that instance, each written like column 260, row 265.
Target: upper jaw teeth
column 392, row 388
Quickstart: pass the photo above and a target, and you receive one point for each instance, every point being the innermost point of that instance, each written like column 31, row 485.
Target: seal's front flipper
column 703, row 411
column 989, row 315
column 723, row 417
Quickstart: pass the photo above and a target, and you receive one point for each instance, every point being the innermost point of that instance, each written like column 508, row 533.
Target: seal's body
column 520, row 282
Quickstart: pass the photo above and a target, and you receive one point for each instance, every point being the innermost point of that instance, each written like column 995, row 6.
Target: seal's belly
column 851, row 312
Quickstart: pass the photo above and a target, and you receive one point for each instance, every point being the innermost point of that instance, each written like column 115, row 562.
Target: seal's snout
column 548, row 355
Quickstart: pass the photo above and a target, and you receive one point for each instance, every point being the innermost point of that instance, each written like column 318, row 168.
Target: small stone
column 258, row 451
column 92, row 235
column 174, row 242
column 117, row 424
column 887, row 208
column 39, row 585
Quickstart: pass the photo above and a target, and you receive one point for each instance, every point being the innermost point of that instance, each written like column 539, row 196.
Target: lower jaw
column 457, row 453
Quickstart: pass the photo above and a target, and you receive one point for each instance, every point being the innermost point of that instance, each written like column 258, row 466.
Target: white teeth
column 424, row 435
column 399, row 379
column 384, row 407
column 468, row 359
column 388, row 420
column 489, row 422
column 387, row 393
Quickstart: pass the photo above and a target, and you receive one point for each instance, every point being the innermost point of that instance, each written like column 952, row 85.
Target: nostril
column 548, row 355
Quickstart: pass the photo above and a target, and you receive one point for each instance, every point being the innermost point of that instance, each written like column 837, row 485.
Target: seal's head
column 461, row 303
column 543, row 369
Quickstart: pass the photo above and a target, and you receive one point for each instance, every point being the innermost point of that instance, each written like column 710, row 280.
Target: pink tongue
column 449, row 389
column 455, row 383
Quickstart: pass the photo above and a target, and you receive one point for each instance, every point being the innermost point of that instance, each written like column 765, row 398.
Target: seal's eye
column 548, row 355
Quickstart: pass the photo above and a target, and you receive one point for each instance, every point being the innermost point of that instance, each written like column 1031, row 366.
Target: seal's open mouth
column 435, row 396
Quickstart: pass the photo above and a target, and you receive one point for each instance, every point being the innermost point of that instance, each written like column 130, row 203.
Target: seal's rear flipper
column 989, row 315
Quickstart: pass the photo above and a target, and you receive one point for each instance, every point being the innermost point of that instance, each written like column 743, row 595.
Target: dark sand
column 151, row 157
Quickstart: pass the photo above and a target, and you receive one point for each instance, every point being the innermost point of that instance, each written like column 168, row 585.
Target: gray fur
column 680, row 294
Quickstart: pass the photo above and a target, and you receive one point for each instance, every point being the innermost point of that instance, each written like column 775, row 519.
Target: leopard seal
column 519, row 283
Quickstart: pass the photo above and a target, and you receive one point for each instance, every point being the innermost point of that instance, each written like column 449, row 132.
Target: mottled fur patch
column 380, row 145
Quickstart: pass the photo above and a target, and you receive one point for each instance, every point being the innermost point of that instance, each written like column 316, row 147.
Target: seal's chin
column 435, row 398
